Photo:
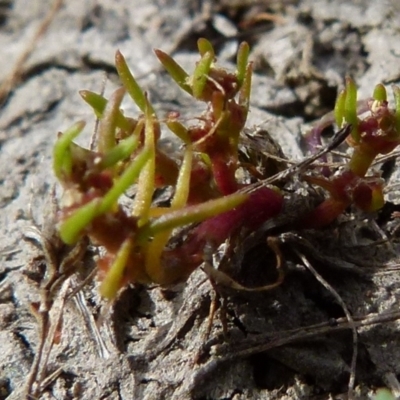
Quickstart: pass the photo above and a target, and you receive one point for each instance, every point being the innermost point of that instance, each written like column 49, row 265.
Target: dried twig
column 338, row 298
column 53, row 296
column 272, row 340
column 80, row 302
column 336, row 140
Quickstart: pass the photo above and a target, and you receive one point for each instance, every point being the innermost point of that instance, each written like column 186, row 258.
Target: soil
column 294, row 342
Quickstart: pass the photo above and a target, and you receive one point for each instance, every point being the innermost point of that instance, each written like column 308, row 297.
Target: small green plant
column 142, row 244
column 375, row 130
column 206, row 189
column 384, row 394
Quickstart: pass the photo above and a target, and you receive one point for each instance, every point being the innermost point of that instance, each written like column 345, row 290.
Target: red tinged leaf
column 261, row 205
column 323, row 215
column 368, row 196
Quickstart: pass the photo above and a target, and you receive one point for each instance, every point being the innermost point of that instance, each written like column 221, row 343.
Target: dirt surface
column 152, row 343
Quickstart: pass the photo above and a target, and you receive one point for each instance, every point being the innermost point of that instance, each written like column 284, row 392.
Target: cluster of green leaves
column 374, row 131
column 127, row 153
column 207, row 191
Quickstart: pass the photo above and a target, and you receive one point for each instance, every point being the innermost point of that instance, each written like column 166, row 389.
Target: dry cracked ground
column 291, row 343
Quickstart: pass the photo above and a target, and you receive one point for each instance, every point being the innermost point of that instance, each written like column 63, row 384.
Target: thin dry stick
column 47, row 332
column 80, row 302
column 212, row 310
column 348, row 316
column 50, row 339
column 263, row 343
column 386, row 157
column 43, row 322
column 16, row 73
column 50, row 379
column 336, row 140
column 269, row 341
column 42, row 311
column 54, row 288
column 341, row 154
column 263, row 17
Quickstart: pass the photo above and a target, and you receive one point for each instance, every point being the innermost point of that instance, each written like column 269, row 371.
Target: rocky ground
column 291, row 343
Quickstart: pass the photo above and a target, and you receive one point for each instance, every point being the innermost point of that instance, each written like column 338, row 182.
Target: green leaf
column 126, row 180
column 245, row 90
column 384, row 394
column 396, row 92
column 108, row 123
column 62, row 157
column 191, row 215
column 99, row 103
column 200, row 74
column 179, row 130
column 205, row 46
column 241, row 62
column 339, row 108
column 146, row 183
column 379, row 93
column 177, row 73
column 129, row 82
column 350, row 108
column 121, row 151
column 153, row 257
column 182, row 187
column 113, row 280
column 72, row 227
column 156, row 247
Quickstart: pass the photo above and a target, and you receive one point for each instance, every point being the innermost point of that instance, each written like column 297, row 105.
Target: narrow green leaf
column 179, row 130
column 72, row 227
column 182, row 187
column 99, row 103
column 146, row 183
column 245, row 90
column 191, row 215
column 241, row 62
column 127, row 179
column 108, row 122
column 205, row 46
column 200, row 74
column 339, row 108
column 129, row 82
column 113, row 280
column 350, row 108
column 153, row 255
column 120, row 152
column 177, row 73
column 62, row 158
column 156, row 246
column 396, row 92
column 380, row 93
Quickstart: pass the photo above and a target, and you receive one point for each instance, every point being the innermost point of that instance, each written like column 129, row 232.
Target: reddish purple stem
column 261, row 205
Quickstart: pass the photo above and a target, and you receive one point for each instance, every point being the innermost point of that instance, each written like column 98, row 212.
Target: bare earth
column 152, row 343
